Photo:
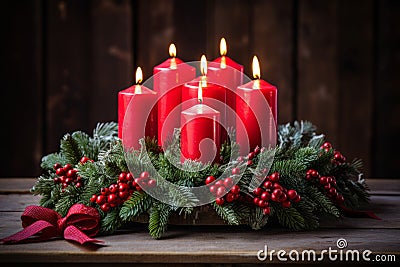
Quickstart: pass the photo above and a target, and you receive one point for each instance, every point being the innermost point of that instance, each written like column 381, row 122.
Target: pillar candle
column 168, row 79
column 200, row 132
column 228, row 73
column 256, row 107
column 213, row 95
column 136, row 113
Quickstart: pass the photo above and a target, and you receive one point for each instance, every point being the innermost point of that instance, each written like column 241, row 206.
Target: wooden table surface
column 189, row 245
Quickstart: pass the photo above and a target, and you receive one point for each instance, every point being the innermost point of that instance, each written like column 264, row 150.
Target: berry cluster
column 328, row 183
column 67, row 175
column 118, row 193
column 251, row 156
column 271, row 190
column 85, row 159
column 338, row 158
column 220, row 188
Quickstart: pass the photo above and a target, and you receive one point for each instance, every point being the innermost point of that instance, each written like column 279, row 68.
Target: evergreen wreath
column 308, row 179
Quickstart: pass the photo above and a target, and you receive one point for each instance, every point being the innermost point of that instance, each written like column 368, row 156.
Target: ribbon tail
column 72, row 233
column 31, row 230
column 359, row 213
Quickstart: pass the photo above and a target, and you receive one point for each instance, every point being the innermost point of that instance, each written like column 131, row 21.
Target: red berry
column 123, row 195
column 152, row 183
column 262, row 204
column 277, row 186
column 219, row 183
column 129, row 177
column 112, row 198
column 258, row 191
column 144, row 175
column 333, row 191
column 308, row 177
column 78, row 185
column 274, row 197
column 274, row 177
column 235, row 171
column 314, row 173
column 228, row 183
column 267, row 210
column 323, row 180
column 84, row 160
column 235, row 189
column 286, row 204
column 132, row 183
column 257, row 150
column 329, row 179
column 93, row 198
column 230, row 197
column 57, row 166
column 291, row 194
column 265, row 196
column 213, row 189
column 240, row 159
column 56, row 180
column 101, row 199
column 60, row 171
column 327, row 145
column 282, row 198
column 64, row 185
column 249, row 162
column 251, row 155
column 113, row 188
column 123, row 187
column 268, row 185
column 68, row 180
column 78, row 179
column 297, row 199
column 105, row 207
column 137, row 180
column 219, row 201
column 138, row 188
column 122, row 177
column 71, row 173
column 221, row 191
column 277, row 192
column 210, row 179
column 67, row 167
column 256, row 200
column 104, row 191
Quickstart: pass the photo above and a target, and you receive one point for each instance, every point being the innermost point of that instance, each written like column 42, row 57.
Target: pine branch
column 227, row 213
column 158, row 221
column 257, row 220
column 138, row 203
column 70, row 149
column 290, row 218
column 110, row 222
column 322, row 202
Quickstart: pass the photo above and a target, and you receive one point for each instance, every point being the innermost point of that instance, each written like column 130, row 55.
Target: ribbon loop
column 39, row 223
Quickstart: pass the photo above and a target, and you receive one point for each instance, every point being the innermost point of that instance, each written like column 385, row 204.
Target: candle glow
column 223, row 50
column 172, row 53
column 203, row 69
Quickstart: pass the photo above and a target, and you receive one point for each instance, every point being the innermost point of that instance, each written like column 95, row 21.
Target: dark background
column 336, row 63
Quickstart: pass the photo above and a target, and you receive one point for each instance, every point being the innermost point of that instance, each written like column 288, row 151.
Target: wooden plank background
column 335, row 62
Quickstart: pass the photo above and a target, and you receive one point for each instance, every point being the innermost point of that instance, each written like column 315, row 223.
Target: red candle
column 168, row 79
column 256, row 107
column 136, row 113
column 200, row 132
column 228, row 73
column 213, row 95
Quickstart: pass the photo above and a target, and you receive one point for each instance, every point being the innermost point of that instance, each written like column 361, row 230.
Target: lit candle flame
column 222, row 47
column 172, row 50
column 203, row 65
column 203, row 69
column 172, row 53
column 256, row 72
column 139, row 79
column 200, row 93
column 256, row 68
column 223, row 50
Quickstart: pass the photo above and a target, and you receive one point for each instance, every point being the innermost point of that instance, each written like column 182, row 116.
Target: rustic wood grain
column 111, row 57
column 355, row 80
column 318, row 79
column 21, row 96
column 386, row 107
column 68, row 64
column 272, row 26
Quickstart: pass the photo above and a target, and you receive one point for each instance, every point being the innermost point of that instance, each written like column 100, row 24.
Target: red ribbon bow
column 81, row 223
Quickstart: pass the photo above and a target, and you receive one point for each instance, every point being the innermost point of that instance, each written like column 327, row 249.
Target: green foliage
column 297, row 151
